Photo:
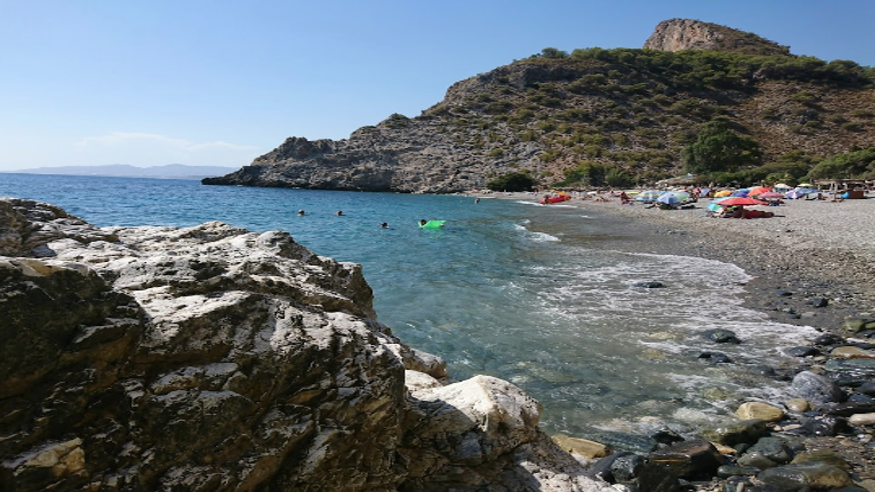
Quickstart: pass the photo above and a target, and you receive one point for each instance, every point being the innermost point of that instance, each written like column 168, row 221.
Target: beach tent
column 669, row 198
column 799, row 193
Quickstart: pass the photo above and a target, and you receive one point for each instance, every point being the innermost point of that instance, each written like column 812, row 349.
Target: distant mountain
column 169, row 171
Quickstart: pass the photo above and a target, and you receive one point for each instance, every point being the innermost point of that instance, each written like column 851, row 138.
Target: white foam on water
column 652, row 337
column 537, row 236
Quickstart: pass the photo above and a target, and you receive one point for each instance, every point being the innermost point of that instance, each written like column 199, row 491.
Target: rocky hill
column 631, row 111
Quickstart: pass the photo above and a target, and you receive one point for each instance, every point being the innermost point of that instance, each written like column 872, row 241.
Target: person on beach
column 624, row 199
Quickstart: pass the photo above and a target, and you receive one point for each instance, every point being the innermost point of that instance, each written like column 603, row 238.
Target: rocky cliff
column 629, row 111
column 212, row 358
column 688, row 34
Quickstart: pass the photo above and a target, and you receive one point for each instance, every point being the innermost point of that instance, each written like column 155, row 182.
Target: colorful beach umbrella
column 770, row 194
column 722, row 193
column 742, row 192
column 668, row 198
column 740, row 200
column 649, row 195
column 758, row 190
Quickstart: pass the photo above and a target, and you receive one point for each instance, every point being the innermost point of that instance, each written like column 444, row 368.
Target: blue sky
column 216, row 82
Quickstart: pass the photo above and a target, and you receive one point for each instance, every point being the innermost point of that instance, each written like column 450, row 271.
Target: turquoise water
column 523, row 292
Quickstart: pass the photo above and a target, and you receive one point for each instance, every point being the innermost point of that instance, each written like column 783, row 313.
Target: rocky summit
column 211, row 358
column 630, row 111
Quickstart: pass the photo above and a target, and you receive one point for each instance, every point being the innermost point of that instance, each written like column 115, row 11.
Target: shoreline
column 808, row 250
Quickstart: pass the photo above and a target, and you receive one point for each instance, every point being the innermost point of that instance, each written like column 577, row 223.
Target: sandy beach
column 810, row 248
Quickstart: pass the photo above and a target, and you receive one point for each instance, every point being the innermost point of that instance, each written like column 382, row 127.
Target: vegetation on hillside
column 636, row 116
column 513, row 182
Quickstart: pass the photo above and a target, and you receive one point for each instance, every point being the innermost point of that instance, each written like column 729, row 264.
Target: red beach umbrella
column 758, row 190
column 739, row 200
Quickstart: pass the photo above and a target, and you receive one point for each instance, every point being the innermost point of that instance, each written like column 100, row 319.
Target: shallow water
column 527, row 293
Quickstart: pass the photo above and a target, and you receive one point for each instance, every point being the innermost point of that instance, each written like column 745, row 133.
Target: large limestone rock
column 214, row 358
column 689, row 34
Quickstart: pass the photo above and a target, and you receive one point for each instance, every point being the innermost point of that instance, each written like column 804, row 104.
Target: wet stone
column 719, row 335
column 798, row 405
column 696, row 459
column 714, row 358
column 816, row 388
column 819, row 302
column 815, row 475
column 802, row 351
column 860, row 367
column 727, row 471
column 826, row 425
column 758, row 410
column 745, row 431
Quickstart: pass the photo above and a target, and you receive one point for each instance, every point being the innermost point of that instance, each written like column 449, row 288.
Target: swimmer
column 384, row 226
column 339, row 213
column 300, row 213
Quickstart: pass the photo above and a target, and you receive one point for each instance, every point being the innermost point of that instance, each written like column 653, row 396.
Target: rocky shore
column 214, row 358
column 812, row 264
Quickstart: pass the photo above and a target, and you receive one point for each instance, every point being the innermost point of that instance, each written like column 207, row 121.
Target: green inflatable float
column 431, row 224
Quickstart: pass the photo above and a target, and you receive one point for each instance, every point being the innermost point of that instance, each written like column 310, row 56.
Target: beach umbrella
column 722, row 193
column 740, row 200
column 742, row 192
column 682, row 195
column 668, row 198
column 771, row 194
column 794, row 194
column 648, row 195
column 783, row 186
column 758, row 190
column 805, row 185
column 715, row 207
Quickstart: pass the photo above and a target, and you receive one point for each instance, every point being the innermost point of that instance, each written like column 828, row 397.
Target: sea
column 531, row 294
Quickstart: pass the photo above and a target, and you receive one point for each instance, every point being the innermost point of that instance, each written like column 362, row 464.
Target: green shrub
column 513, row 182
column 852, row 126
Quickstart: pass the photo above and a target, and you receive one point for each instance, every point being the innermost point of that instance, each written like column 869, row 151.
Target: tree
column 855, row 165
column 513, row 182
column 717, row 149
column 553, row 53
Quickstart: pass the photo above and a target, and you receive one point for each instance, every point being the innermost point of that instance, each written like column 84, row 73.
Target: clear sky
column 220, row 82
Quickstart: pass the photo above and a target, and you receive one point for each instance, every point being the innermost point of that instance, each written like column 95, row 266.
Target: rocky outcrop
column 214, row 358
column 688, row 34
